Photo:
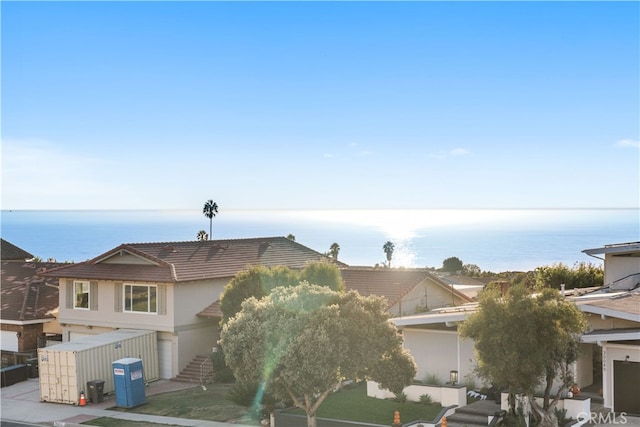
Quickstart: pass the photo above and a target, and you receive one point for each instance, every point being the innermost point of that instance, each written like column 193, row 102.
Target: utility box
column 128, row 378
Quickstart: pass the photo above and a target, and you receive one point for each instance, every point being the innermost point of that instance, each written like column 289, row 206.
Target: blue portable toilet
column 128, row 379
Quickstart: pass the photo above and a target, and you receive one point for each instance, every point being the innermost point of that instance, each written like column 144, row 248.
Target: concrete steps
column 474, row 414
column 194, row 373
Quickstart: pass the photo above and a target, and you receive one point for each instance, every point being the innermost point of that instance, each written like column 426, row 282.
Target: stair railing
column 206, row 369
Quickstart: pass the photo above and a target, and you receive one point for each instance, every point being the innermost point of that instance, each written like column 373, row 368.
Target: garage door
column 164, row 359
column 626, row 387
column 9, row 341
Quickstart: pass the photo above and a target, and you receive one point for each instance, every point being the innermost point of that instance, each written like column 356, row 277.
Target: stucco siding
column 598, row 322
column 190, row 298
column 617, row 267
column 106, row 315
column 584, row 365
column 434, row 352
column 194, row 342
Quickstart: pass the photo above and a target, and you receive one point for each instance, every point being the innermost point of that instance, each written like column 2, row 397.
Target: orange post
column 396, row 418
column 83, row 399
column 444, row 421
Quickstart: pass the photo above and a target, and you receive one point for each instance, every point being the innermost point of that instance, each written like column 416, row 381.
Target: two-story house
column 164, row 287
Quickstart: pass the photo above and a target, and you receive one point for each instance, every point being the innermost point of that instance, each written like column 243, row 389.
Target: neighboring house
column 28, row 304
column 408, row 290
column 170, row 287
column 464, row 284
column 610, row 356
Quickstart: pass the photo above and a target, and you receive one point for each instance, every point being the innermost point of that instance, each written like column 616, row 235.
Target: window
column 81, row 292
column 140, row 298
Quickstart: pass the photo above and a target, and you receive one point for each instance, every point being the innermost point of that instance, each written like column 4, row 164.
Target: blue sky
column 340, row 105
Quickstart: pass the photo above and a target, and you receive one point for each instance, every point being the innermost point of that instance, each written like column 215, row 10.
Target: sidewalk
column 21, row 402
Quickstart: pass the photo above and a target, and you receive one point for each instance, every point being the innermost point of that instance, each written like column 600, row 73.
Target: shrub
column 425, row 399
column 401, row 397
column 221, row 372
column 243, row 394
column 432, row 379
column 561, row 415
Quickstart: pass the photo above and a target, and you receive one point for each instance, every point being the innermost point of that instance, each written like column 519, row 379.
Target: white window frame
column 128, row 301
column 83, row 283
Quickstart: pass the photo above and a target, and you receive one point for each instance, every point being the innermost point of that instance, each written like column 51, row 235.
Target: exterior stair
column 198, row 371
column 474, row 414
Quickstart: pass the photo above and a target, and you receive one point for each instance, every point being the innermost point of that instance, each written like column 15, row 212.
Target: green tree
column 334, row 250
column 202, row 236
column 452, row 264
column 210, row 210
column 301, row 342
column 388, row 249
column 256, row 281
column 471, row 270
column 582, row 275
column 525, row 340
column 291, row 237
column 322, row 273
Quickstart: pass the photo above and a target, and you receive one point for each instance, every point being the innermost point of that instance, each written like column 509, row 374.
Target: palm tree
column 202, row 236
column 210, row 210
column 333, row 251
column 388, row 249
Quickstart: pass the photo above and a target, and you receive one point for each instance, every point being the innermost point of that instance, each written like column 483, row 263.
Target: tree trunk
column 311, row 420
column 547, row 416
column 549, row 419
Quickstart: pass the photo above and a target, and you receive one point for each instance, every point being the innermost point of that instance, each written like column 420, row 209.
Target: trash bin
column 32, row 367
column 95, row 391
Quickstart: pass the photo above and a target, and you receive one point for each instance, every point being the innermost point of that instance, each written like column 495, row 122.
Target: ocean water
column 494, row 239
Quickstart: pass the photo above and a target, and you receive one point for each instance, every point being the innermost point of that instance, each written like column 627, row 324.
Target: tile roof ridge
column 205, row 242
column 128, row 248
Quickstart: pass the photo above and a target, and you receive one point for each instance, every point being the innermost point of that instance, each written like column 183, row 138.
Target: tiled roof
column 193, row 260
column 213, row 310
column 393, row 284
column 132, row 272
column 10, row 252
column 26, row 295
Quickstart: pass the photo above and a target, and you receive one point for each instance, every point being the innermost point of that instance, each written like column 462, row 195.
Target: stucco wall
column 617, row 267
column 439, row 352
column 584, row 366
column 598, row 322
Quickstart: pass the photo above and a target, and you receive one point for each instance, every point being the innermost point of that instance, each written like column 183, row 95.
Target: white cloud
column 456, row 152
column 459, row 152
column 38, row 174
column 633, row 143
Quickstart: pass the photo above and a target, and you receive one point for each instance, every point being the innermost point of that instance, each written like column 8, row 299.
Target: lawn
column 194, row 403
column 349, row 404
column 353, row 404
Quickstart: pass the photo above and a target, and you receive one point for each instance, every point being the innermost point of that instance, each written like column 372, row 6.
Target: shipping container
column 66, row 368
